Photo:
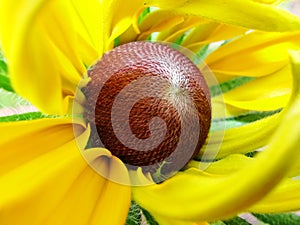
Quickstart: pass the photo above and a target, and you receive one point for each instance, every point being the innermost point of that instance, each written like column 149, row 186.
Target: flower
column 49, row 45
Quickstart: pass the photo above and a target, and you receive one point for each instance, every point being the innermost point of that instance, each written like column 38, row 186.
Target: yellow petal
column 242, row 139
column 270, row 1
column 256, row 95
column 158, row 21
column 255, row 54
column 114, row 190
column 88, row 21
column 168, row 221
column 200, row 196
column 247, row 13
column 210, row 32
column 26, row 140
column 284, row 198
column 51, row 182
column 117, row 17
column 130, row 35
column 265, row 104
column 295, row 58
column 231, row 164
column 174, row 33
column 113, row 205
column 79, row 201
column 39, row 42
column 95, row 199
column 37, row 185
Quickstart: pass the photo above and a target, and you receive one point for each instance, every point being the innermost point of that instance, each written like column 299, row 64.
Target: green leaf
column 251, row 154
column 25, row 116
column 201, row 55
column 5, row 83
column 253, row 116
column 3, row 65
column 179, row 40
column 217, row 223
column 145, row 12
column 279, row 219
column 229, row 85
column 240, row 120
column 149, row 218
column 249, row 117
column 134, row 215
column 117, row 42
column 11, row 100
column 138, row 216
column 236, row 221
column 4, row 77
column 15, row 108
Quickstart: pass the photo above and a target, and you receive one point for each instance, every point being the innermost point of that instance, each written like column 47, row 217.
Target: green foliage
column 236, row 221
column 229, row 85
column 11, row 100
column 242, row 119
column 4, row 78
column 179, row 40
column 201, row 55
column 232, row 221
column 137, row 215
column 149, row 218
column 5, row 83
column 14, row 108
column 143, row 14
column 218, row 223
column 134, row 215
column 267, row 219
column 25, row 116
column 3, row 65
column 279, row 219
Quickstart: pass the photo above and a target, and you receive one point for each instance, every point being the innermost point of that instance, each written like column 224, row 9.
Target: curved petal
column 284, row 198
column 118, row 16
column 255, row 54
column 93, row 197
column 39, row 41
column 270, row 1
column 49, row 182
column 247, row 13
column 207, row 197
column 158, row 21
column 228, row 165
column 16, row 147
column 211, row 32
column 61, row 38
column 242, row 139
column 107, row 211
column 263, row 94
column 79, row 201
column 168, row 221
column 235, row 162
column 175, row 33
column 88, row 24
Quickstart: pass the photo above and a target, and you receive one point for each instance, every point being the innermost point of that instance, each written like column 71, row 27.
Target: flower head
column 51, row 45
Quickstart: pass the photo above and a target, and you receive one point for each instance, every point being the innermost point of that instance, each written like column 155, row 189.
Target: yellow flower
column 49, row 45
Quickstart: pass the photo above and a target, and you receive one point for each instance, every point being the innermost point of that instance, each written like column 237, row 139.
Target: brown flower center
column 149, row 105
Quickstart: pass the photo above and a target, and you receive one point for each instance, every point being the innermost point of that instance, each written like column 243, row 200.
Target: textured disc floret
column 149, row 105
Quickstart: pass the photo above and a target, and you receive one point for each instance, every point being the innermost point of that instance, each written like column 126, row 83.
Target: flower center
column 149, row 105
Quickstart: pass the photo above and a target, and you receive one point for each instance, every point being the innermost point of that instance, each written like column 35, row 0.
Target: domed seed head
column 149, row 105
